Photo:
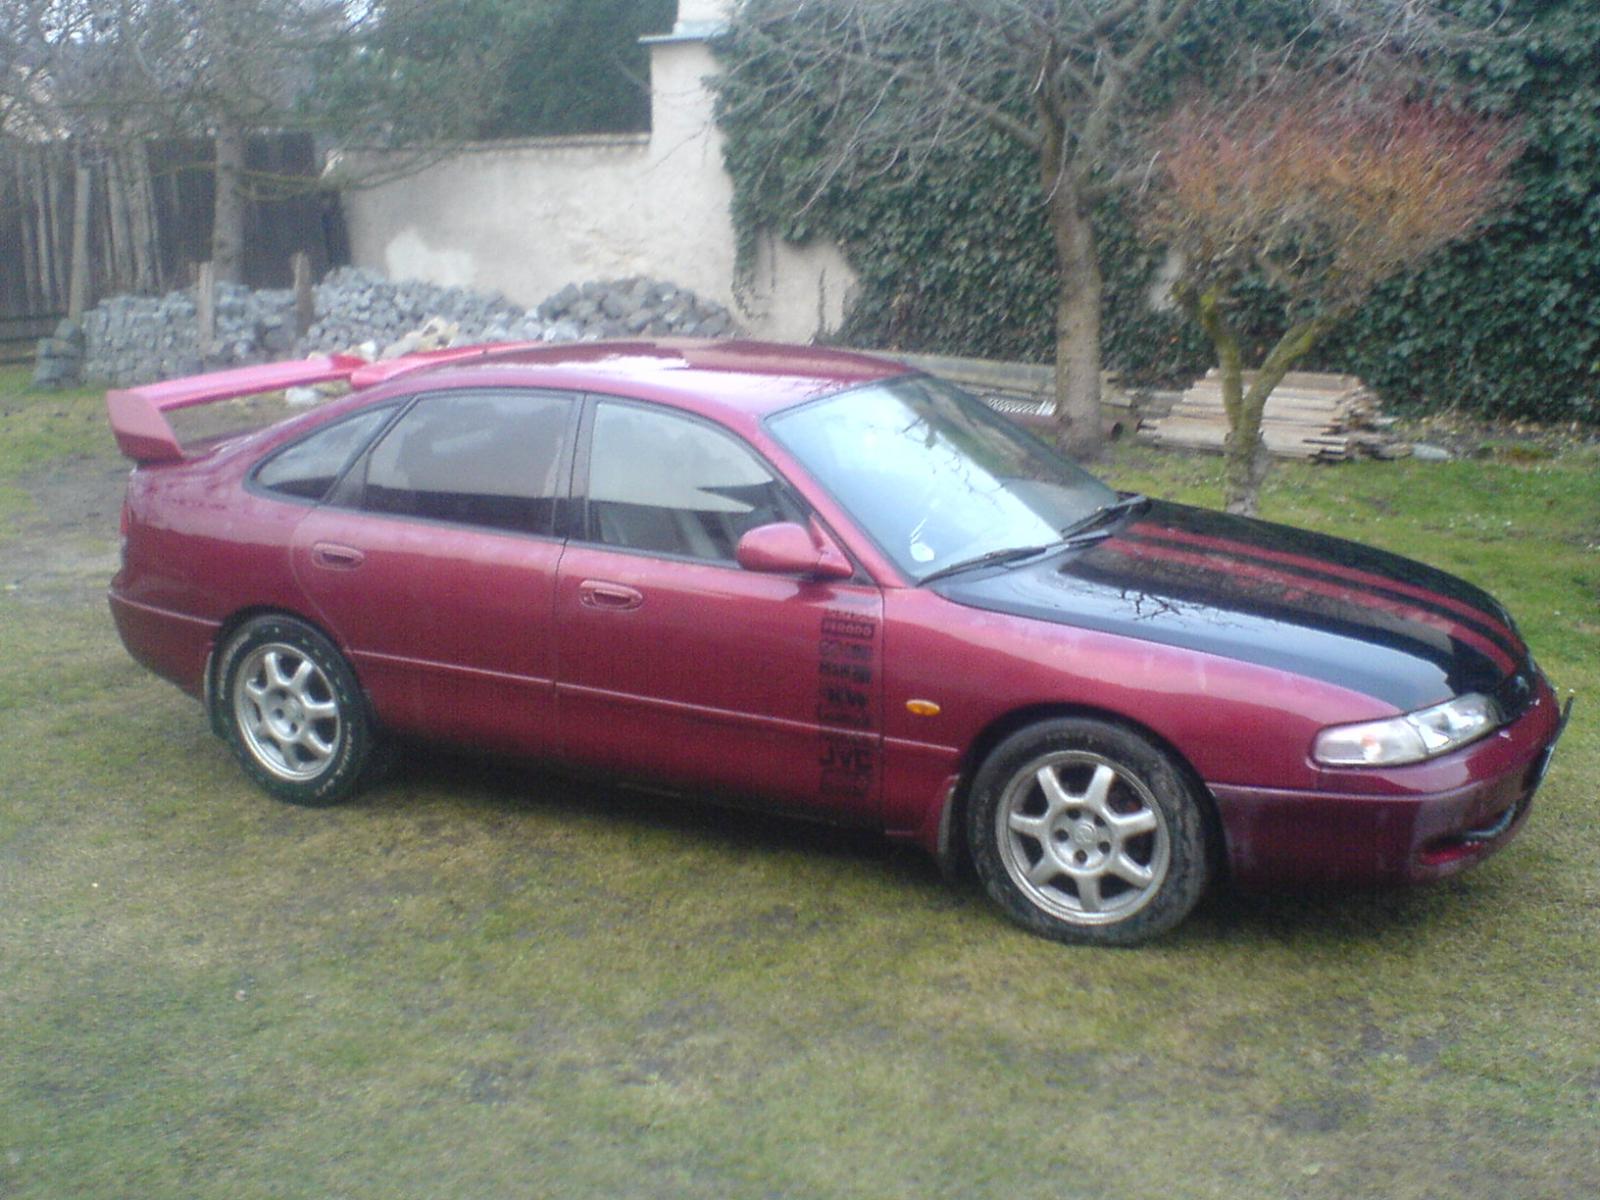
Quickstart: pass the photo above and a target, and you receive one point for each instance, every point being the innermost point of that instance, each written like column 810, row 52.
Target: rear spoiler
column 138, row 414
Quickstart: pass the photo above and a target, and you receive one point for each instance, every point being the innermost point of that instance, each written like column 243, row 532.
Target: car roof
column 740, row 376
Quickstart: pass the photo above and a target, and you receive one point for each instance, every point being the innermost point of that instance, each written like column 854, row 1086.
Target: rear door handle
column 617, row 597
column 331, row 554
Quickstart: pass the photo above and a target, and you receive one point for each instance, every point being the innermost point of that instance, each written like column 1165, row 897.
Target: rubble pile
column 129, row 340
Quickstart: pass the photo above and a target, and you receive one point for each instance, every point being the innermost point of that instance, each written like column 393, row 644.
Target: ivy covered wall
column 1509, row 324
column 954, row 257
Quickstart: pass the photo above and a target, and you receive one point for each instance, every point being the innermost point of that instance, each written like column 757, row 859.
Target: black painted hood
column 1317, row 606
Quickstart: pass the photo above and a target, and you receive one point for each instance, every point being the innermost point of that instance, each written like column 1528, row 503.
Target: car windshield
column 935, row 477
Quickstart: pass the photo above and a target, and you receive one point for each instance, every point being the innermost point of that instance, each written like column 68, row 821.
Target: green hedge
column 956, row 258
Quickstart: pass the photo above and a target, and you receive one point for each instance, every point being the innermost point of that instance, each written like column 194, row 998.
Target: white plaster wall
column 526, row 218
column 704, row 10
column 796, row 292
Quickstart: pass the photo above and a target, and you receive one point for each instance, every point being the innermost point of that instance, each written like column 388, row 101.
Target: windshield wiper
column 1009, row 554
column 1091, row 524
column 1086, row 528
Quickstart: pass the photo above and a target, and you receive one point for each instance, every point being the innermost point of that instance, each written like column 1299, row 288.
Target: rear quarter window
column 308, row 468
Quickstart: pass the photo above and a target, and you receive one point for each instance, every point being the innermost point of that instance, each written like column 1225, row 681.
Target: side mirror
column 788, row 548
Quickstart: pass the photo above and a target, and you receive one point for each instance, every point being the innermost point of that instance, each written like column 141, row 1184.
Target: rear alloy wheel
column 292, row 711
column 1083, row 831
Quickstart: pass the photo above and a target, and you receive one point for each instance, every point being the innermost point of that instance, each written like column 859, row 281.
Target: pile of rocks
column 60, row 356
column 355, row 306
column 632, row 308
column 135, row 339
column 128, row 340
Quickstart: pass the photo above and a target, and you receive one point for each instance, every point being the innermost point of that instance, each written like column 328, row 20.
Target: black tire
column 290, row 708
column 1113, row 852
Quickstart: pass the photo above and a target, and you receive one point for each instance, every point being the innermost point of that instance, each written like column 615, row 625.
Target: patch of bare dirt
column 64, row 549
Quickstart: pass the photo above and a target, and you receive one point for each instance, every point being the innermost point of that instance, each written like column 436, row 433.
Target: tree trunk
column 1247, row 458
column 1079, row 287
column 141, row 216
column 1245, row 465
column 228, row 215
column 121, row 256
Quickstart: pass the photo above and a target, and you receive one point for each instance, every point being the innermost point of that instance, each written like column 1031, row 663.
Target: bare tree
column 25, row 33
column 899, row 79
column 887, row 82
column 1324, row 188
column 419, row 74
column 218, row 68
column 93, row 80
column 40, row 152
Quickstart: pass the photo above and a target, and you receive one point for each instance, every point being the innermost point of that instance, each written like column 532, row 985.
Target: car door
column 679, row 667
column 434, row 563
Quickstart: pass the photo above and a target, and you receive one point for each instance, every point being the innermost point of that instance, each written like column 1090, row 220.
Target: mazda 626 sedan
column 834, row 585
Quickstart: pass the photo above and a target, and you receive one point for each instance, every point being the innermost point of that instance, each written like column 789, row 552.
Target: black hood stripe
column 1292, row 565
column 1340, row 591
column 1285, row 599
column 1318, row 565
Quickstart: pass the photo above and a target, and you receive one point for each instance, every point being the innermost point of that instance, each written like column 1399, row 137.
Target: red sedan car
column 832, row 584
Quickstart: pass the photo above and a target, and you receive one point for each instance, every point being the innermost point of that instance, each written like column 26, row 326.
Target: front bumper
column 1406, row 825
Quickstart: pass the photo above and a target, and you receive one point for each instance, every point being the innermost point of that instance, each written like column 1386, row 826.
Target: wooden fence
column 19, row 336
column 148, row 207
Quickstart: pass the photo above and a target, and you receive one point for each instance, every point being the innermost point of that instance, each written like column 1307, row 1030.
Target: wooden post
column 205, row 303
column 121, row 239
column 60, row 233
column 305, row 306
column 44, row 232
column 33, row 292
column 78, row 288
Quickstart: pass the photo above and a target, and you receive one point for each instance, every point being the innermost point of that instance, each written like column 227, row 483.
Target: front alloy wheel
column 1085, row 831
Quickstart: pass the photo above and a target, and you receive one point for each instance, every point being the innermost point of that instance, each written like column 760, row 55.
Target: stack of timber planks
column 1327, row 418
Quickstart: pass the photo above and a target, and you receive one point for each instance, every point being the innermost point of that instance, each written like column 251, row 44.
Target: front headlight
column 1410, row 737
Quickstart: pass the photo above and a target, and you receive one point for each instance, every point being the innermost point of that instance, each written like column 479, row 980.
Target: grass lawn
column 484, row 982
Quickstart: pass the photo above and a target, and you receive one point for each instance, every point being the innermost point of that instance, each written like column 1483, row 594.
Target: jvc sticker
column 846, row 766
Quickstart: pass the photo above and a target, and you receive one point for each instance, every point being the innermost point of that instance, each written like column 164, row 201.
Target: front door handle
column 331, row 554
column 616, row 597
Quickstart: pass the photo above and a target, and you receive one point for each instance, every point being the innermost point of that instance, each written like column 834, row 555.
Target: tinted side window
column 668, row 484
column 476, row 458
column 308, row 468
